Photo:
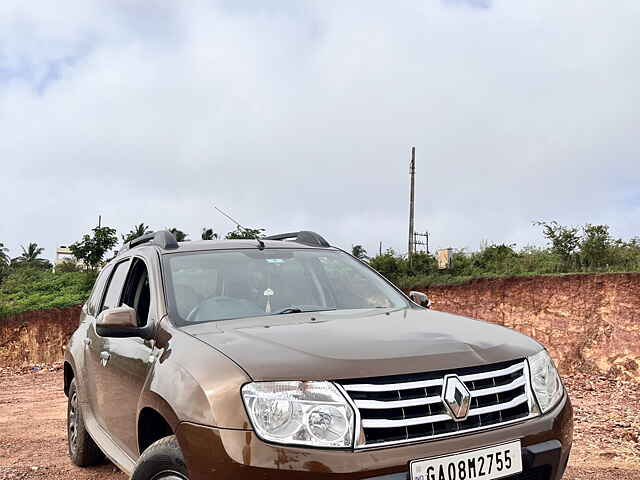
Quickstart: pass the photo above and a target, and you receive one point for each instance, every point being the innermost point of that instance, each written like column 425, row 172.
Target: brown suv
column 288, row 358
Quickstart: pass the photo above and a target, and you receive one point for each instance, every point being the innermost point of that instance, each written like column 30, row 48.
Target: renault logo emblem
column 456, row 397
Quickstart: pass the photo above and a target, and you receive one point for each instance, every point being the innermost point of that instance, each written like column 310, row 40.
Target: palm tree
column 135, row 232
column 207, row 234
column 30, row 254
column 179, row 234
column 4, row 258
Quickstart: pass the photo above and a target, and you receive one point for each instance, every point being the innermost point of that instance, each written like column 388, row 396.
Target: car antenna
column 260, row 242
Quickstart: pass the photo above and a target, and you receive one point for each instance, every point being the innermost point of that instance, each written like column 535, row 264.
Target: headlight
column 302, row 413
column 545, row 381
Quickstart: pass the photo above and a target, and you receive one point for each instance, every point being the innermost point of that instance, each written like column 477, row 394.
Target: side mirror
column 121, row 322
column 420, row 298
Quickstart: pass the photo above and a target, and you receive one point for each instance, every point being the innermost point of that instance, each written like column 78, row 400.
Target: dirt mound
column 590, row 323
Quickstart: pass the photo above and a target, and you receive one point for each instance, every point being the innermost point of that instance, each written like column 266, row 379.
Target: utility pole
column 412, row 172
column 99, row 221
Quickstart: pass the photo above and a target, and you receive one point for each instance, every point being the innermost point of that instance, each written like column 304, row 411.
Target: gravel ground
column 33, row 435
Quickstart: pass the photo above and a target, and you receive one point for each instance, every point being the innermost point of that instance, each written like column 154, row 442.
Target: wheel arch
column 156, row 420
column 69, row 375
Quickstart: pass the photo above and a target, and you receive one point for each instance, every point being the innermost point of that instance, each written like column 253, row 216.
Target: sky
column 301, row 115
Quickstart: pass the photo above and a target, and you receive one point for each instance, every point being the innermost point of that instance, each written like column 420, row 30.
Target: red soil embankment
column 588, row 322
column 36, row 337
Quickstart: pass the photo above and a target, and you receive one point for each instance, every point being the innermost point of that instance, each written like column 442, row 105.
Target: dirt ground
column 33, row 435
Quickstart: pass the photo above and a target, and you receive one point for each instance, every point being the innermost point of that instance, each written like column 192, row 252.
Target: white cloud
column 302, row 116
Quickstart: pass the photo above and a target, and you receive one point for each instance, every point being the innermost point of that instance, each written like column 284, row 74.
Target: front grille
column 403, row 408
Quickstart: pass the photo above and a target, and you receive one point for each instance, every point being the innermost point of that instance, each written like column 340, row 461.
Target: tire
column 83, row 451
column 163, row 460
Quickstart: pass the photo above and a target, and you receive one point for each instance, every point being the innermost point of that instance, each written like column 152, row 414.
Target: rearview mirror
column 420, row 298
column 121, row 322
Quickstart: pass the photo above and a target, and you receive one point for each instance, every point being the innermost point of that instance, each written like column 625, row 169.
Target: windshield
column 226, row 284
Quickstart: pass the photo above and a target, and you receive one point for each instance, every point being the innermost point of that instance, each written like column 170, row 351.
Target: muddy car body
column 243, row 382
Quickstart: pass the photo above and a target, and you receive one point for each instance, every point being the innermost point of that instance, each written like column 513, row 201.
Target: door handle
column 87, row 341
column 104, row 358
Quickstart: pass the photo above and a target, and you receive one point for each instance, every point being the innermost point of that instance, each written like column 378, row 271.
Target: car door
column 98, row 347
column 90, row 360
column 129, row 362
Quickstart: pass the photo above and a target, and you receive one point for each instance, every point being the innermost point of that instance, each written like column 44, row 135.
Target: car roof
column 200, row 245
column 164, row 242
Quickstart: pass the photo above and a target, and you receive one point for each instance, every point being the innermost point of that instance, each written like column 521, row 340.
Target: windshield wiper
column 288, row 310
column 284, row 311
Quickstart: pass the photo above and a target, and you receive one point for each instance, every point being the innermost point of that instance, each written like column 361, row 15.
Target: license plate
column 483, row 464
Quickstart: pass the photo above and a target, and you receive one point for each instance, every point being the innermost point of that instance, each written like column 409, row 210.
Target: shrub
column 67, row 266
column 598, row 253
column 28, row 288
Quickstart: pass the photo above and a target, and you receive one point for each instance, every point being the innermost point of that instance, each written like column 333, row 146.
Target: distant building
column 445, row 256
column 63, row 254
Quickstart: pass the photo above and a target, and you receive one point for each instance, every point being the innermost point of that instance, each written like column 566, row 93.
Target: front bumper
column 213, row 453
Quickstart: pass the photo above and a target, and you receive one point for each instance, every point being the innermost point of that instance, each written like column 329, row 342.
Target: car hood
column 360, row 343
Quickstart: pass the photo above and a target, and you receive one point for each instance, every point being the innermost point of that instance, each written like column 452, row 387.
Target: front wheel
column 163, row 460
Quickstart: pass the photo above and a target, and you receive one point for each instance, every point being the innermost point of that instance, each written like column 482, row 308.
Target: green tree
column 625, row 256
column 4, row 258
column 463, row 264
column 595, row 245
column 242, row 233
column 179, row 234
column 135, row 232
column 564, row 240
column 421, row 264
column 5, row 261
column 359, row 252
column 388, row 265
column 496, row 258
column 208, row 234
column 92, row 248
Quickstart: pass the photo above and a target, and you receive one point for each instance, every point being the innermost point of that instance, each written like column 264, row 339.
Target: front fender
column 193, row 382
column 176, row 395
column 74, row 355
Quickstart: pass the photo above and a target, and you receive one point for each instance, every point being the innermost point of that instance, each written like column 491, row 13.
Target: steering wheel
column 186, row 296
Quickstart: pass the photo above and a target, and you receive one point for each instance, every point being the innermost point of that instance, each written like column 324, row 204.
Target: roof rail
column 303, row 236
column 162, row 238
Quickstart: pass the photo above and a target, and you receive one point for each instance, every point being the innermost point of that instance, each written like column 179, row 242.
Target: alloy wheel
column 73, row 422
